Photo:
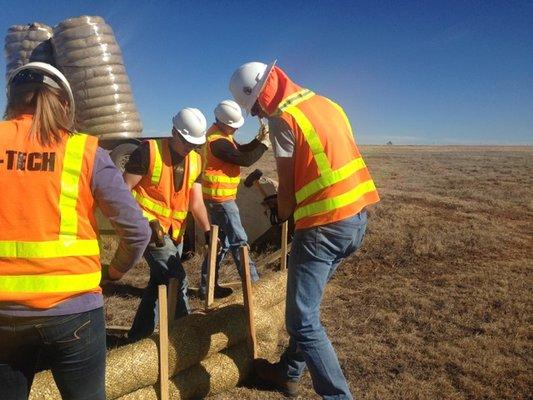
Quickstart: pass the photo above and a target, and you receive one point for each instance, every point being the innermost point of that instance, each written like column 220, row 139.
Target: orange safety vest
column 332, row 181
column 220, row 179
column 48, row 238
column 155, row 191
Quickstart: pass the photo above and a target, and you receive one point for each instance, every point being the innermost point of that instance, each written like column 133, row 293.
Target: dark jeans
column 73, row 346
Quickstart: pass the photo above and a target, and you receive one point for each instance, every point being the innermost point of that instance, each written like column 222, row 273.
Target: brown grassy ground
column 437, row 303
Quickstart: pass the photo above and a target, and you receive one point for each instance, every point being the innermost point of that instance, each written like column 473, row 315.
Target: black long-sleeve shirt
column 244, row 155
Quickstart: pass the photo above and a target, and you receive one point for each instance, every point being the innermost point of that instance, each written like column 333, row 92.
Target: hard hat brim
column 192, row 139
column 236, row 124
column 256, row 91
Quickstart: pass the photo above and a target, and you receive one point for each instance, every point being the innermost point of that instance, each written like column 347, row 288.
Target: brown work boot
column 272, row 375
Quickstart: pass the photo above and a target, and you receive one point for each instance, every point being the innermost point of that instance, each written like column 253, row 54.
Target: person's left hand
column 207, row 237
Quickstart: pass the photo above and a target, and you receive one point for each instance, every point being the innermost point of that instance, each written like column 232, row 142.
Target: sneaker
column 272, row 375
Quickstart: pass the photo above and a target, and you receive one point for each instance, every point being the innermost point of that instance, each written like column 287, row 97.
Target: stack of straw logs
column 208, row 354
column 87, row 52
column 26, row 43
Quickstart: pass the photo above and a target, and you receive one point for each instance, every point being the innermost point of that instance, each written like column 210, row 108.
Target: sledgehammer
column 253, row 180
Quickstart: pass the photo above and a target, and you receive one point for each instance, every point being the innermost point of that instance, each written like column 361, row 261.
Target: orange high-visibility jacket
column 220, row 179
column 48, row 242
column 155, row 191
column 332, row 181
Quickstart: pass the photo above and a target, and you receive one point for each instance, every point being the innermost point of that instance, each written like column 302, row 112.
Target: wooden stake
column 284, row 238
column 163, row 342
column 248, row 296
column 211, row 267
column 272, row 257
column 172, row 299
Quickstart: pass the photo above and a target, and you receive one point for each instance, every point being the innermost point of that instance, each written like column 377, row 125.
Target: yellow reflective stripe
column 50, row 283
column 158, row 209
column 343, row 114
column 176, row 235
column 149, row 216
column 221, row 179
column 158, row 162
column 330, row 178
column 215, row 136
column 219, row 192
column 194, row 168
column 70, row 177
column 322, row 206
column 294, row 99
column 179, row 215
column 312, row 139
column 219, row 135
column 49, row 249
column 150, row 205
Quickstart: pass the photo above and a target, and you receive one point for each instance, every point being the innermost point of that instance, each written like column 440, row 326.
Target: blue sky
column 428, row 72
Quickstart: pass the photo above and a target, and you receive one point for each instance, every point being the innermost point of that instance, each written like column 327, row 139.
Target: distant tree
column 389, row 143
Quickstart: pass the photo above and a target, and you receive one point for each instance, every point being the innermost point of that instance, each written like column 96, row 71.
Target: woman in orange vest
column 325, row 184
column 165, row 178
column 52, row 179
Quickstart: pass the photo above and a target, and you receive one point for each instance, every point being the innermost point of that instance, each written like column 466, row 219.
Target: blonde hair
column 49, row 108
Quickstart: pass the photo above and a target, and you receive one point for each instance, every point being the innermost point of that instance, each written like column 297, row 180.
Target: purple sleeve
column 117, row 204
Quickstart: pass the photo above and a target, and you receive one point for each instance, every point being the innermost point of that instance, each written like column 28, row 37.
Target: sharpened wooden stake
column 284, row 238
column 163, row 342
column 248, row 297
column 172, row 299
column 211, row 267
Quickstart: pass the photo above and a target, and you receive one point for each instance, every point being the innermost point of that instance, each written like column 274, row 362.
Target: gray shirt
column 281, row 137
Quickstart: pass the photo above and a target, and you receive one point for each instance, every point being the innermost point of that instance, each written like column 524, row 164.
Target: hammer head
column 252, row 177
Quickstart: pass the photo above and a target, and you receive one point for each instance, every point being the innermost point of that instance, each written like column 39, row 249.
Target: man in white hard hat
column 223, row 158
column 325, row 185
column 165, row 178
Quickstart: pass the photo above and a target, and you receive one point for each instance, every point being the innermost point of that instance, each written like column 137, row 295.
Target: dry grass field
column 437, row 304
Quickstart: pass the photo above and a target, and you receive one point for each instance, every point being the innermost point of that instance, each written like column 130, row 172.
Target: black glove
column 272, row 203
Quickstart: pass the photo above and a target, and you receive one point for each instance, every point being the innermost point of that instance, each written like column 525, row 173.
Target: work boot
column 222, row 291
column 272, row 375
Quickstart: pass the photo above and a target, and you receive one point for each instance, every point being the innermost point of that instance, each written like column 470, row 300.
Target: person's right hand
column 114, row 274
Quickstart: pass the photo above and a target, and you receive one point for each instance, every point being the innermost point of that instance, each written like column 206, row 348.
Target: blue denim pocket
column 66, row 329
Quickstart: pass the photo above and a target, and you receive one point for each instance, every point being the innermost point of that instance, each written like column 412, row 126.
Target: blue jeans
column 315, row 254
column 232, row 236
column 164, row 263
column 73, row 346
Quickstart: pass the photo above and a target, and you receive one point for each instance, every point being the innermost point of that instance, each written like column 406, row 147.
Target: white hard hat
column 229, row 113
column 50, row 76
column 247, row 82
column 191, row 124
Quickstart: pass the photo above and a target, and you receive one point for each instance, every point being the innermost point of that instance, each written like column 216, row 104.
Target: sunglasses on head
column 28, row 76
